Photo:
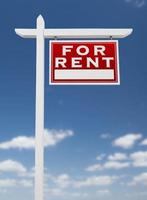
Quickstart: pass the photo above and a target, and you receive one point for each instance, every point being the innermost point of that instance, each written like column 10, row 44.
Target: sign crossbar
column 76, row 33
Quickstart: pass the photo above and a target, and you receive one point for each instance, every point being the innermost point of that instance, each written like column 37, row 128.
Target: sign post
column 40, row 33
column 39, row 119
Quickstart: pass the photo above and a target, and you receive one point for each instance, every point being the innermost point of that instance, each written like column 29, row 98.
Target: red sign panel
column 84, row 62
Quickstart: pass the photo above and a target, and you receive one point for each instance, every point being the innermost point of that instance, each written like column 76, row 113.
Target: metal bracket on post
column 40, row 33
column 55, row 38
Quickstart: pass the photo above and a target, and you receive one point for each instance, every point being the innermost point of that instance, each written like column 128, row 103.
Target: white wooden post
column 39, row 121
column 40, row 33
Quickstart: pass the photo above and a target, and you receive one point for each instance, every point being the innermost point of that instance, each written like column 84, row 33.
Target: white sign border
column 78, row 83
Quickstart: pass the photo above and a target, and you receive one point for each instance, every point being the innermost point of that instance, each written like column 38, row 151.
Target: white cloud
column 117, row 157
column 62, row 181
column 139, row 179
column 4, row 183
column 51, row 138
column 94, row 168
column 59, row 192
column 127, row 141
column 137, row 3
column 12, row 166
column 144, row 142
column 139, row 159
column 26, row 183
column 105, row 136
column 108, row 165
column 136, row 194
column 118, row 161
column 116, row 165
column 95, row 181
column 115, row 161
column 79, row 194
column 56, row 192
column 100, row 157
column 20, row 142
column 28, row 174
column 103, row 192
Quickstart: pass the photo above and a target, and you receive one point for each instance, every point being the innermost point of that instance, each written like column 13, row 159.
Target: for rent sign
column 84, row 62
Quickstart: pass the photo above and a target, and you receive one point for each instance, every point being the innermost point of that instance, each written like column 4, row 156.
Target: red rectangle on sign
column 84, row 62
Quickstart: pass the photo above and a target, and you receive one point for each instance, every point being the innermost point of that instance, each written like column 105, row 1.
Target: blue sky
column 95, row 136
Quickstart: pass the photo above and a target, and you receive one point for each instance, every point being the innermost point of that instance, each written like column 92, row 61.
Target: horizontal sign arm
column 76, row 33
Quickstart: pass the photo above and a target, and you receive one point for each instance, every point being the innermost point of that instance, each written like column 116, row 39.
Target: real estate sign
column 93, row 62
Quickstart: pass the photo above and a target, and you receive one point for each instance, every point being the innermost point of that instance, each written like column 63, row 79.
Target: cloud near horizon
column 118, row 161
column 139, row 179
column 7, row 183
column 64, row 181
column 51, row 138
column 12, row 166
